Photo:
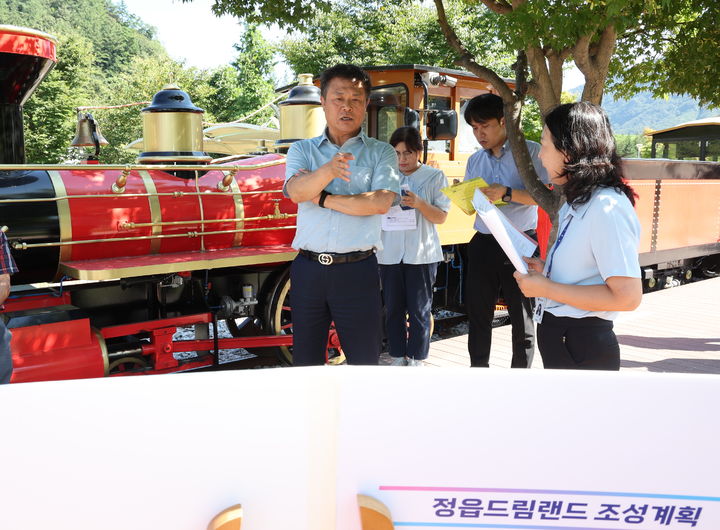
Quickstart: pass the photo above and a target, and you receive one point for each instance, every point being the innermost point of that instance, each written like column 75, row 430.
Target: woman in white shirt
column 410, row 255
column 592, row 270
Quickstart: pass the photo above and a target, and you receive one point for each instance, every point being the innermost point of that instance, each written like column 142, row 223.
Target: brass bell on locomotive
column 301, row 115
column 172, row 129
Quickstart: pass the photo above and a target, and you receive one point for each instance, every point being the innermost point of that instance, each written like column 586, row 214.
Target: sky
column 191, row 33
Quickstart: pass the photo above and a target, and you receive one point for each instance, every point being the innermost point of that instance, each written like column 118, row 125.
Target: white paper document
column 515, row 243
column 399, row 219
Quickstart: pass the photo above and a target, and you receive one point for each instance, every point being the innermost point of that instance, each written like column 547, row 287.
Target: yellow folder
column 461, row 194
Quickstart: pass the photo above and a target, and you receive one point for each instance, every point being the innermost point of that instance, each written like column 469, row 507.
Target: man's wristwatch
column 508, row 194
column 323, row 196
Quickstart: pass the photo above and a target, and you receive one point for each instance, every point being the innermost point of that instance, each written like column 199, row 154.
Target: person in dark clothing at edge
column 7, row 267
column 489, row 270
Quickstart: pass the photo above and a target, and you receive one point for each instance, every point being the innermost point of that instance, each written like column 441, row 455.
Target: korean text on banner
column 514, row 243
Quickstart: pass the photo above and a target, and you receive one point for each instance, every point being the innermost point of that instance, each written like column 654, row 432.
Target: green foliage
column 532, row 123
column 559, row 24
column 627, row 145
column 142, row 79
column 673, row 52
column 116, row 35
column 255, row 84
column 287, row 14
column 631, row 116
column 49, row 115
column 107, row 56
column 355, row 32
column 666, row 46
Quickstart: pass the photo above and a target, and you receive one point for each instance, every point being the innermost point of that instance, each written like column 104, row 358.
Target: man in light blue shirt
column 490, row 273
column 342, row 182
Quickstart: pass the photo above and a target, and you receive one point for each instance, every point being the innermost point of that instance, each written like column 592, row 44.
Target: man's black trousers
column 489, row 272
column 347, row 294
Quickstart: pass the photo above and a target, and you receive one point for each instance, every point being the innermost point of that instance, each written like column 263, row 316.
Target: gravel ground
column 226, row 356
column 188, row 333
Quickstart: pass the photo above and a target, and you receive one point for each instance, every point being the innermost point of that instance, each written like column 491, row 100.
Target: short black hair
column 409, row 135
column 484, row 107
column 345, row 71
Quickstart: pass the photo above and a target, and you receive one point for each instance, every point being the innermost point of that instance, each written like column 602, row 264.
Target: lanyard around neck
column 556, row 245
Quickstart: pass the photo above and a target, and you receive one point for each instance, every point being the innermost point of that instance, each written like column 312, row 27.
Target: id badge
column 539, row 310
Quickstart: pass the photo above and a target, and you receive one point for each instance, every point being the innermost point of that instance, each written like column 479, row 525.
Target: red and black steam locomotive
column 114, row 259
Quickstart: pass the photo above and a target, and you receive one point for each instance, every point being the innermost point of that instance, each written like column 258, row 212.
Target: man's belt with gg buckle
column 330, row 258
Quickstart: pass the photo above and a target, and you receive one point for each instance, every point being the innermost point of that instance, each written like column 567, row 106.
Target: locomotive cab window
column 386, row 111
column 679, row 150
column 465, row 141
column 712, row 150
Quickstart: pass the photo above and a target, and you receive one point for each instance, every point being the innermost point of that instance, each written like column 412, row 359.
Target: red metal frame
column 23, row 303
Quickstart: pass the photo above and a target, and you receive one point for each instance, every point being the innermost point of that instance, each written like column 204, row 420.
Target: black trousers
column 585, row 343
column 489, row 272
column 407, row 290
column 346, row 293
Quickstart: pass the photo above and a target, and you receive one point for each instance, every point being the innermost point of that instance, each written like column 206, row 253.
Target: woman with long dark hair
column 409, row 258
column 592, row 270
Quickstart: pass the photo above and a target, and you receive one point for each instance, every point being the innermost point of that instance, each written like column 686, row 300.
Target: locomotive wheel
column 279, row 319
column 127, row 364
column 279, row 315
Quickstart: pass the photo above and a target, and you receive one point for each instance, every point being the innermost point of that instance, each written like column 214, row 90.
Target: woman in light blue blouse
column 410, row 256
column 592, row 270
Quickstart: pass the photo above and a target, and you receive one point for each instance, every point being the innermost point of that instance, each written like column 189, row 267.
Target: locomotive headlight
column 432, row 78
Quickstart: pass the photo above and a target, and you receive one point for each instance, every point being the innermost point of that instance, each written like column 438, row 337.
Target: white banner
column 441, row 448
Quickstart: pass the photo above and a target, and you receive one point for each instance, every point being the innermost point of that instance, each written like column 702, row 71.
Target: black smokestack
column 26, row 57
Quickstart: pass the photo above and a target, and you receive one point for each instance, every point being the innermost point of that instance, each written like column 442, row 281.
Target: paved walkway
column 673, row 330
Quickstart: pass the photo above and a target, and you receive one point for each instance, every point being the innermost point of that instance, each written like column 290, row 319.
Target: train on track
column 114, row 259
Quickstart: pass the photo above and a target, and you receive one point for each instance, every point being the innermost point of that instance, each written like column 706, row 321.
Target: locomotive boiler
column 114, row 259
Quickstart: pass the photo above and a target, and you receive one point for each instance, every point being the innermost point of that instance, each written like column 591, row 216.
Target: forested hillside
column 107, row 56
column 634, row 115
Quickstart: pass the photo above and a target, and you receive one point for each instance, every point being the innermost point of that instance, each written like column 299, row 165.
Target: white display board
column 441, row 448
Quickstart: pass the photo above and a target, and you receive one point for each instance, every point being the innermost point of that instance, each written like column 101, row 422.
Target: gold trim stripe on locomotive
column 115, row 195
column 18, row 245
column 64, row 219
column 155, row 211
column 75, row 270
column 137, row 167
column 202, row 210
column 129, row 225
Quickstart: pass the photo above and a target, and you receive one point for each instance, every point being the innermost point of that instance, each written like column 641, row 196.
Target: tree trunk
column 512, row 106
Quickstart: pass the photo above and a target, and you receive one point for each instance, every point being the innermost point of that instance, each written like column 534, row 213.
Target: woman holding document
column 592, row 270
column 411, row 251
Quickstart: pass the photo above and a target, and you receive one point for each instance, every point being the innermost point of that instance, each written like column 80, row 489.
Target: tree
column 49, row 117
column 138, row 83
column 402, row 34
column 392, row 34
column 253, row 69
column 547, row 34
